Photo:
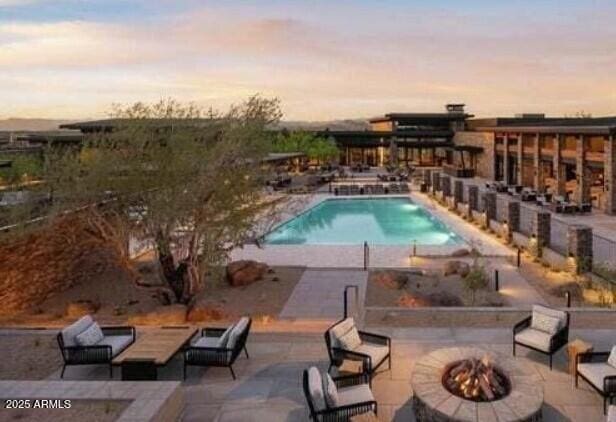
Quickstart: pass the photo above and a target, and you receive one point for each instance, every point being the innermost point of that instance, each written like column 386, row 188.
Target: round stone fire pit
column 473, row 385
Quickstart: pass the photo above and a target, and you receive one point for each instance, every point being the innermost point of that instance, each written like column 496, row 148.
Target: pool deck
column 381, row 256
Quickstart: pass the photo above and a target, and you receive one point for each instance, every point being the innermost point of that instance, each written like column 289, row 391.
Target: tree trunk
column 184, row 278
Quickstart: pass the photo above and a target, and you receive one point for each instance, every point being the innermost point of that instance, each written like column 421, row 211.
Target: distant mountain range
column 24, row 124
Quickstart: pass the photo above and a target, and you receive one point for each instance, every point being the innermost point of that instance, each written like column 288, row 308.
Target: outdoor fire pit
column 472, row 384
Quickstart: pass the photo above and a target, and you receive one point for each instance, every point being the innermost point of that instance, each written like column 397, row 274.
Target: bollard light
column 568, row 298
column 496, row 286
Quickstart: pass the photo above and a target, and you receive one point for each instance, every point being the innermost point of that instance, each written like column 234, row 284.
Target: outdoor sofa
column 345, row 341
column 338, row 398
column 545, row 331
column 599, row 370
column 86, row 343
column 219, row 346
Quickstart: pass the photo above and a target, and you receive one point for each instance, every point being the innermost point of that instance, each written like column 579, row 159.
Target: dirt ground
column 32, row 356
column 80, row 410
column 424, row 286
column 119, row 299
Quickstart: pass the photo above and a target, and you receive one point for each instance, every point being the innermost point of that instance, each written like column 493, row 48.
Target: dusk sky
column 323, row 59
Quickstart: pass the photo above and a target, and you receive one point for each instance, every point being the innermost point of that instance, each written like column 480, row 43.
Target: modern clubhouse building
column 573, row 157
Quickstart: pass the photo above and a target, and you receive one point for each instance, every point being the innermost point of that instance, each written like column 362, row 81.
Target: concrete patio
column 268, row 387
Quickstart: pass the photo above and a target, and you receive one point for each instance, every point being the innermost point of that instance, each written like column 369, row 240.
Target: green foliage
column 24, row 167
column 477, row 278
column 169, row 172
column 315, row 147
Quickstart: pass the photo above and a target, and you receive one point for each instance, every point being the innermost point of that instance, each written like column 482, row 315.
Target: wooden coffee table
column 152, row 349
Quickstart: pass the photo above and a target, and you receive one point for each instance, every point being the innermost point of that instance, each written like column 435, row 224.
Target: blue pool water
column 380, row 221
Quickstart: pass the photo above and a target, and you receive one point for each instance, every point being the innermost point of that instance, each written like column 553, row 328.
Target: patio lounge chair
column 528, row 195
column 219, row 346
column 394, row 188
column 85, row 343
column 344, row 341
column 599, row 370
column 545, row 331
column 349, row 396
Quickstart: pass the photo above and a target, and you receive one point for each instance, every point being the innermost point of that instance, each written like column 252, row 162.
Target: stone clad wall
column 485, row 159
column 35, row 266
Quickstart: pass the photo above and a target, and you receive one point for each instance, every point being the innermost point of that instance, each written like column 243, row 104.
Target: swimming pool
column 379, row 221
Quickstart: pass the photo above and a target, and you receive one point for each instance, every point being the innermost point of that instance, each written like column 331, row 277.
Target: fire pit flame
column 476, row 379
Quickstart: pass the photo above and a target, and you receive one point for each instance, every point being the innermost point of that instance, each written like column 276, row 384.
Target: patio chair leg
column 246, row 351
column 389, row 361
column 62, row 373
column 513, row 349
column 232, row 373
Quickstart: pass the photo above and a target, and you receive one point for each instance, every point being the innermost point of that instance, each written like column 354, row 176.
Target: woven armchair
column 356, row 396
column 593, row 368
column 548, row 344
column 375, row 349
column 207, row 351
column 116, row 340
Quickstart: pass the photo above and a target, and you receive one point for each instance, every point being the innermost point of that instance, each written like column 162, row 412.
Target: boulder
column 80, row 308
column 391, row 279
column 459, row 253
column 163, row 315
column 245, row 272
column 407, row 300
column 456, row 267
column 202, row 313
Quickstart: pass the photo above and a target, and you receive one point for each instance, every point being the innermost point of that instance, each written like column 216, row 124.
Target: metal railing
column 366, row 256
column 355, row 306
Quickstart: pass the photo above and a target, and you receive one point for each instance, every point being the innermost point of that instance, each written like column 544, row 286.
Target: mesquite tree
column 188, row 181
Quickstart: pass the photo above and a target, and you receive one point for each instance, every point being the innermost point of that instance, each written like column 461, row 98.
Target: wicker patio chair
column 532, row 333
column 354, row 396
column 596, row 370
column 115, row 340
column 219, row 346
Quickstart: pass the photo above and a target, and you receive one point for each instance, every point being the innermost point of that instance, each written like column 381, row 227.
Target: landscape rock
column 80, row 308
column 164, row 315
column 391, row 279
column 245, row 272
column 456, row 267
column 407, row 300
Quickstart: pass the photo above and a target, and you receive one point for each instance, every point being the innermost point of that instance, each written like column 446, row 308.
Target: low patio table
column 154, row 346
column 574, row 348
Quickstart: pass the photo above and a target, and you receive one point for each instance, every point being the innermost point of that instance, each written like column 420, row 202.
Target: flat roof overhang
column 560, row 130
column 420, row 117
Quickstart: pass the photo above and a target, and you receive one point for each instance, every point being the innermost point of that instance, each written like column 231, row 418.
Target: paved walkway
column 319, row 293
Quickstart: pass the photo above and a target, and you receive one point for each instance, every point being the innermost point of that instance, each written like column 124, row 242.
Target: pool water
column 380, row 221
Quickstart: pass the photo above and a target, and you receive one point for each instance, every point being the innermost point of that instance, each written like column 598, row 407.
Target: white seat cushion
column 355, row 394
column 69, row 333
column 207, row 342
column 611, row 359
column 534, row 338
column 553, row 313
column 236, row 332
column 90, row 336
column 223, row 340
column 596, row 372
column 315, row 388
column 350, row 340
column 330, row 391
column 117, row 343
column 376, row 352
column 340, row 330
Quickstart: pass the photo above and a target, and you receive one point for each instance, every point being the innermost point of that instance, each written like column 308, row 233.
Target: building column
column 520, row 154
column 458, row 191
column 537, row 165
column 582, row 192
column 473, row 197
column 506, row 160
column 609, row 176
column 559, row 169
column 540, row 232
column 580, row 247
column 393, row 151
